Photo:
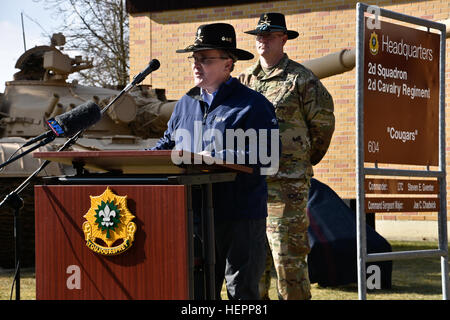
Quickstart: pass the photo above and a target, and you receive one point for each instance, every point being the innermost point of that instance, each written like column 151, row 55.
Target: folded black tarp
column 332, row 236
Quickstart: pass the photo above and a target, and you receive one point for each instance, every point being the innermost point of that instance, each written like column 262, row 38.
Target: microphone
column 69, row 123
column 79, row 118
column 152, row 66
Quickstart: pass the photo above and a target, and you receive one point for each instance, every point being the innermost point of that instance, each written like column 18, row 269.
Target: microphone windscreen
column 154, row 64
column 79, row 118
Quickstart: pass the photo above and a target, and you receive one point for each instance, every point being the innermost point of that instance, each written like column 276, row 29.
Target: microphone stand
column 40, row 144
column 16, row 202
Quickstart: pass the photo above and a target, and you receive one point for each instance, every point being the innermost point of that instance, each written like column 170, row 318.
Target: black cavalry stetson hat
column 219, row 36
column 272, row 22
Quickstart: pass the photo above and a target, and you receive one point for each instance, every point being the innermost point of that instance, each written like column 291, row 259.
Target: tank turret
column 41, row 90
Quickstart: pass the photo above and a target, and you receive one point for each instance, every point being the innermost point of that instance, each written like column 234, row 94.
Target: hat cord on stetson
column 265, row 26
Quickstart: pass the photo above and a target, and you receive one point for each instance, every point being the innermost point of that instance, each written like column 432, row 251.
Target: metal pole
column 361, row 218
column 442, row 218
column 209, row 242
column 405, row 173
column 17, row 237
column 23, row 33
column 411, row 254
column 190, row 241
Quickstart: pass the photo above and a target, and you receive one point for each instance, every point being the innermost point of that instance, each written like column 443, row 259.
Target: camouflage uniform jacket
column 304, row 109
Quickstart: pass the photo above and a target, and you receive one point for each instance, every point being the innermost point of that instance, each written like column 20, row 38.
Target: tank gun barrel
column 79, row 64
column 332, row 64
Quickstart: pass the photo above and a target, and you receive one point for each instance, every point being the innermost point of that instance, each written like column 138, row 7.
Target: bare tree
column 99, row 30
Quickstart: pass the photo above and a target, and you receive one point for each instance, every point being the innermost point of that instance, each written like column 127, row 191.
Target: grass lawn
column 412, row 279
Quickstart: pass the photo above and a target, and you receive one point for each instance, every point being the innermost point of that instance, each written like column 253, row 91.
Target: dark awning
column 139, row 6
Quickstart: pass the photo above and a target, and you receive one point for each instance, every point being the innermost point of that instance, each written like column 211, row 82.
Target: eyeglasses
column 205, row 60
column 268, row 36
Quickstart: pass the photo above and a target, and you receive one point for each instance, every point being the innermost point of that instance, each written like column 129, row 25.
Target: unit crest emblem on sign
column 108, row 228
column 373, row 43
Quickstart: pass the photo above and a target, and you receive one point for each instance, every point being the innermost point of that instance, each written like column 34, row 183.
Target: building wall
column 325, row 27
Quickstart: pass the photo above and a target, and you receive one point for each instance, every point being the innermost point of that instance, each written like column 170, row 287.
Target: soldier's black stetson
column 218, row 36
column 272, row 22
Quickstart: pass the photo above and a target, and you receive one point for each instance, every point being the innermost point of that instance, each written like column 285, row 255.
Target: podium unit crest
column 108, row 228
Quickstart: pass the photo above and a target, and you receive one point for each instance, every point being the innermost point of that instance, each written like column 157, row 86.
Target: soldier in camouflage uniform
column 304, row 109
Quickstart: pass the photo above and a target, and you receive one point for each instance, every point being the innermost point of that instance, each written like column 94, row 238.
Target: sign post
column 400, row 112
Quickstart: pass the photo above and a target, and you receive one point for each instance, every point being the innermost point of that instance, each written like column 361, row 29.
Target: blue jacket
column 234, row 107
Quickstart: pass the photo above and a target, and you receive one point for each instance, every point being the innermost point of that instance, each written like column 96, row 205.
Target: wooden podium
column 159, row 263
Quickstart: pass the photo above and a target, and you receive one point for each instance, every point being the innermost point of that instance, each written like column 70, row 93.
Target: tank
column 42, row 90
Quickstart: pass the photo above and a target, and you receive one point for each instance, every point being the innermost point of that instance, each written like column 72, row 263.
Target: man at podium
column 201, row 123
